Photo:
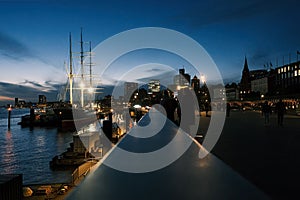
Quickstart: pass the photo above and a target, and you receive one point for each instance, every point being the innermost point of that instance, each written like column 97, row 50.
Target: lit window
column 288, row 68
column 281, row 69
column 296, row 74
column 284, row 69
column 299, row 72
column 278, row 71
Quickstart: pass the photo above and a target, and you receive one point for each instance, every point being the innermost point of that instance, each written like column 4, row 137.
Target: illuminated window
column 278, row 71
column 281, row 69
column 299, row 72
column 295, row 73
column 284, row 69
column 288, row 68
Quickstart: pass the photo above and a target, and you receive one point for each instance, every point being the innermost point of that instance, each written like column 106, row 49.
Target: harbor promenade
column 266, row 155
column 187, row 178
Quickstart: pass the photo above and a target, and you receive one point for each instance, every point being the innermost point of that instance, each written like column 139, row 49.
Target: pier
column 187, row 178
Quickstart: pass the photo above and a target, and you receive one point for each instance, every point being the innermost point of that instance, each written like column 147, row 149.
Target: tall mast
column 90, row 64
column 81, row 54
column 82, row 72
column 71, row 71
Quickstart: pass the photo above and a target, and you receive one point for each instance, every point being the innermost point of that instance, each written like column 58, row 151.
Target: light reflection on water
column 29, row 151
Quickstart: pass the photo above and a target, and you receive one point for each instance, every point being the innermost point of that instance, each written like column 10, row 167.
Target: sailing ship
column 81, row 109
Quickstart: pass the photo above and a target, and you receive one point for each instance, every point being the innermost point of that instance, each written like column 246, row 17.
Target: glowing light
column 81, row 85
column 202, row 78
column 137, row 106
column 90, row 90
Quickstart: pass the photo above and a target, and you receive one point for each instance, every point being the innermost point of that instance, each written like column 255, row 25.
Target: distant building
column 257, row 74
column 232, row 94
column 182, row 79
column 245, row 84
column 42, row 99
column 260, row 85
column 16, row 102
column 288, row 78
column 153, row 86
column 196, row 84
column 129, row 88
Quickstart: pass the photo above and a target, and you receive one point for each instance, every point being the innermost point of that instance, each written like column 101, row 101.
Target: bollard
column 9, row 116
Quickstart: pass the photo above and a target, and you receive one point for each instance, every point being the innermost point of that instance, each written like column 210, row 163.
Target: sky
column 34, row 36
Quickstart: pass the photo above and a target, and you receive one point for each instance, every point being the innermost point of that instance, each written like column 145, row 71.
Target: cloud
column 9, row 91
column 217, row 11
column 12, row 48
column 155, row 70
column 5, row 98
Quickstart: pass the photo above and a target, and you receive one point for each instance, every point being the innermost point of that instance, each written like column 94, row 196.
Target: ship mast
column 71, row 71
column 82, row 69
column 90, row 65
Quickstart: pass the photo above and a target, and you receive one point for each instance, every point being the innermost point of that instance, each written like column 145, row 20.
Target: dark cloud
column 12, row 48
column 28, row 93
column 154, row 70
column 217, row 11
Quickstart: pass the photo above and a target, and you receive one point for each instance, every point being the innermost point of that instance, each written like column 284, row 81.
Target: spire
column 246, row 65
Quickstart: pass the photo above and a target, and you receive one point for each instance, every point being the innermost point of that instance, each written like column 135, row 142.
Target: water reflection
column 8, row 156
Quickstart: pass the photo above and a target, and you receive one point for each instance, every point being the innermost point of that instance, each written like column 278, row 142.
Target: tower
column 245, row 84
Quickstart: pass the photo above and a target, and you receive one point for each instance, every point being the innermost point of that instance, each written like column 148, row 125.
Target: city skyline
column 34, row 39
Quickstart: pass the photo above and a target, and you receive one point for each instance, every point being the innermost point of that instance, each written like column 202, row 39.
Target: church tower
column 245, row 84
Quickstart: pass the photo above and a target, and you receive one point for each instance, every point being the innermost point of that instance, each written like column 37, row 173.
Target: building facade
column 288, row 79
column 129, row 88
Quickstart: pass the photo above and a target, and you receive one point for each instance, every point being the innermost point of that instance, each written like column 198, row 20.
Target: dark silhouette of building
column 11, row 186
column 182, row 79
column 42, row 99
column 196, row 84
column 245, row 84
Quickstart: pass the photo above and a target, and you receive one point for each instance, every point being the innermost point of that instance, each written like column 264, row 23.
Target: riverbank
column 266, row 155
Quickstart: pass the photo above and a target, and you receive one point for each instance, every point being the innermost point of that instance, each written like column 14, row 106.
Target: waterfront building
column 42, row 99
column 129, row 88
column 16, row 102
column 182, row 79
column 153, row 86
column 196, row 84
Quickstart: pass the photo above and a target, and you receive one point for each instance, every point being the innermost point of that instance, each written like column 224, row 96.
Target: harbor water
column 28, row 151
